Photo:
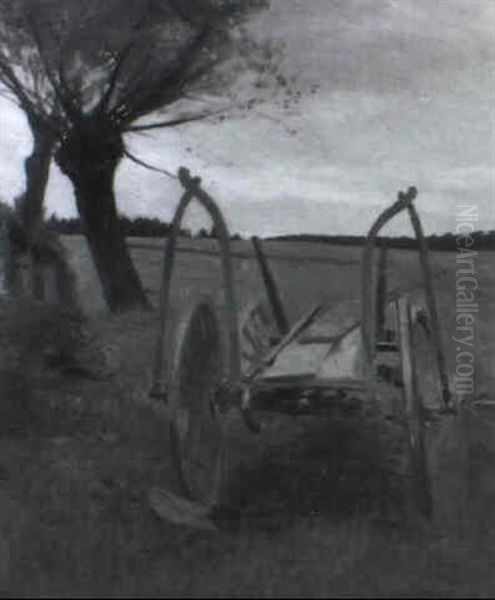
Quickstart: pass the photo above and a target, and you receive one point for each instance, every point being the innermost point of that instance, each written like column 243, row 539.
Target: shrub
column 38, row 338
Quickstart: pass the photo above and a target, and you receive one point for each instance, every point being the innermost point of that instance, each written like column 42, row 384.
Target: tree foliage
column 68, row 60
column 86, row 72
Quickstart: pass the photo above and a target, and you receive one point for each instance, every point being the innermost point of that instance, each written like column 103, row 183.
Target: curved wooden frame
column 193, row 190
column 368, row 299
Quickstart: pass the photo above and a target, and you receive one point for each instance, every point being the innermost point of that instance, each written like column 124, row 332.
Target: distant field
column 306, row 273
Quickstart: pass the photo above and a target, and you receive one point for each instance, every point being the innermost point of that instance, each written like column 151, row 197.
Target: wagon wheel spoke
column 196, row 436
column 258, row 334
column 249, row 357
column 260, row 325
column 251, row 336
column 428, row 383
column 264, row 319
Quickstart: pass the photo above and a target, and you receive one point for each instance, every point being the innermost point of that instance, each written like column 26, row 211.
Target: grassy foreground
column 313, row 510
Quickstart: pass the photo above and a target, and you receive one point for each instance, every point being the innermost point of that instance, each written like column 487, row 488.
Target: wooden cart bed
column 329, row 351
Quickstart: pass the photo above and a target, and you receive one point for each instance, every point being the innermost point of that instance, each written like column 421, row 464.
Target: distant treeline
column 153, row 227
column 482, row 240
column 138, row 227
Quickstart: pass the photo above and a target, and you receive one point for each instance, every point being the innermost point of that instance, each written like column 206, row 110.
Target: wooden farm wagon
column 364, row 350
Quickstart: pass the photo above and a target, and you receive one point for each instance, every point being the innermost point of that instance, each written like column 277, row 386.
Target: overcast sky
column 407, row 97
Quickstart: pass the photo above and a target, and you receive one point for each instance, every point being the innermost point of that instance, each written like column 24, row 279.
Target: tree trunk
column 22, row 279
column 89, row 157
column 37, row 169
column 121, row 285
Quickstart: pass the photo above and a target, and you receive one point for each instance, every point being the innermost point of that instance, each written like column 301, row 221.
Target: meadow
column 311, row 508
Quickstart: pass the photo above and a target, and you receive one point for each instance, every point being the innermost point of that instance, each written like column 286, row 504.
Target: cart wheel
column 436, row 440
column 196, row 436
column 258, row 333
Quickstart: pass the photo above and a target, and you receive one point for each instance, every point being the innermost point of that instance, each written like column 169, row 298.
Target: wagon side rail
column 369, row 291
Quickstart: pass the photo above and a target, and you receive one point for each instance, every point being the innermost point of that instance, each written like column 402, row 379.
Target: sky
column 406, row 97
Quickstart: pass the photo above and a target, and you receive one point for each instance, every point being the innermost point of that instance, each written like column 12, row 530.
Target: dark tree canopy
column 67, row 60
column 86, row 71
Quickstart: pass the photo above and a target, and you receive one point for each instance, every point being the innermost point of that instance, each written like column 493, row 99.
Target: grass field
column 311, row 505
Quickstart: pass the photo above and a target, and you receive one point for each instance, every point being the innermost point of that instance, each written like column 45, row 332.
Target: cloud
column 15, row 145
column 408, row 95
column 382, row 45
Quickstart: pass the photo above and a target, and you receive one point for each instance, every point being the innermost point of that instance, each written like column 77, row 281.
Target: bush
column 37, row 339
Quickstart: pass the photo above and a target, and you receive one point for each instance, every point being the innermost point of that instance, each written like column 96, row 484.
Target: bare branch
column 10, row 81
column 64, row 85
column 123, row 55
column 275, row 120
column 105, row 101
column 144, row 164
column 62, row 98
column 167, row 88
column 9, row 94
column 173, row 122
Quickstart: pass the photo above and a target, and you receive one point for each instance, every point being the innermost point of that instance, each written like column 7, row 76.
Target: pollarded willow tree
column 22, row 78
column 86, row 71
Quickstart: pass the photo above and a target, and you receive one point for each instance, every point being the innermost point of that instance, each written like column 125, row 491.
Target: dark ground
column 313, row 509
